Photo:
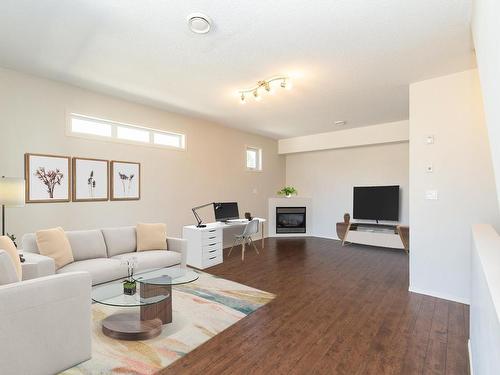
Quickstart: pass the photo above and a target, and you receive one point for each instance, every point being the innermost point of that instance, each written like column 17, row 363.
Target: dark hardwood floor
column 338, row 310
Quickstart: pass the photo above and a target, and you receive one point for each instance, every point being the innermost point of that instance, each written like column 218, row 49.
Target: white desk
column 205, row 244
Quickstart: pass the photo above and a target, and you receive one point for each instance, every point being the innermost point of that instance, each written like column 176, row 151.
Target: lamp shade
column 12, row 192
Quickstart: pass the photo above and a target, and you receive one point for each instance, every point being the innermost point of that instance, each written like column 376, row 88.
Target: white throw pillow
column 8, row 273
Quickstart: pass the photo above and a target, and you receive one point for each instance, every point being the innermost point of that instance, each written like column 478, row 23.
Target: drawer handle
column 212, row 230
column 212, row 251
column 212, row 258
column 212, row 244
column 211, row 238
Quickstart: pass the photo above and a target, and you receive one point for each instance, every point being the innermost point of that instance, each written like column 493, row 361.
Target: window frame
column 114, row 138
column 259, row 158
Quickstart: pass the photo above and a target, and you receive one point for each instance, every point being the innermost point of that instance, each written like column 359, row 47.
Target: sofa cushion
column 28, row 243
column 54, row 244
column 7, row 245
column 120, row 240
column 8, row 273
column 101, row 270
column 87, row 244
column 152, row 259
column 151, row 236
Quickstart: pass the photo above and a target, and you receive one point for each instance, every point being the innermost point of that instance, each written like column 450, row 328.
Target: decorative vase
column 248, row 216
column 129, row 287
column 347, row 218
column 288, row 196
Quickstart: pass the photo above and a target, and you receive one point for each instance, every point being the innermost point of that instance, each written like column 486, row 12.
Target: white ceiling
column 352, row 59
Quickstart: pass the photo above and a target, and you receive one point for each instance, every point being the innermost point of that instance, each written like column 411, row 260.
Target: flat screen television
column 376, row 203
column 226, row 211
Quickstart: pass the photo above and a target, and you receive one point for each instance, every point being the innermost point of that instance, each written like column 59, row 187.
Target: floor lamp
column 11, row 195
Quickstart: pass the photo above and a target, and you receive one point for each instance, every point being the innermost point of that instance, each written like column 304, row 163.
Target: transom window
column 254, row 159
column 89, row 127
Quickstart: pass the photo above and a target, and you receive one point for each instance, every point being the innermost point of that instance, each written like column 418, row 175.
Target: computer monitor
column 226, row 211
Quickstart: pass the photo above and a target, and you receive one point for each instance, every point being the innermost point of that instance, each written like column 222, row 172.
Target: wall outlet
column 255, row 191
column 431, row 195
column 429, row 139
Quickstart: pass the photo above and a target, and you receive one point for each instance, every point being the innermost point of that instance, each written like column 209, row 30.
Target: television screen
column 226, row 211
column 376, row 203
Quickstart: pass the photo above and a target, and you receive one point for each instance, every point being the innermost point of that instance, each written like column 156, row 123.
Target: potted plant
column 288, row 191
column 129, row 284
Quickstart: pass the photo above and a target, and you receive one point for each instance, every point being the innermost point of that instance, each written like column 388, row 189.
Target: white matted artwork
column 125, row 180
column 90, row 180
column 47, row 178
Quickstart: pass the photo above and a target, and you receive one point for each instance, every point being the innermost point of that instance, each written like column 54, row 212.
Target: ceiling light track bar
column 266, row 85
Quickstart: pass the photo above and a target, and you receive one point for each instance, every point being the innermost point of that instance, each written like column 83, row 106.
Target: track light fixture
column 265, row 84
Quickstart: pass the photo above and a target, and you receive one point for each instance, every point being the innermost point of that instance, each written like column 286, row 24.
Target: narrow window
column 254, row 159
column 89, row 127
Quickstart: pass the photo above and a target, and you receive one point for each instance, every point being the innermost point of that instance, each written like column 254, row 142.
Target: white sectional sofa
column 45, row 323
column 101, row 253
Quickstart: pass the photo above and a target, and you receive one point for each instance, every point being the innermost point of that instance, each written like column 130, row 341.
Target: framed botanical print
column 47, row 178
column 90, row 180
column 125, row 180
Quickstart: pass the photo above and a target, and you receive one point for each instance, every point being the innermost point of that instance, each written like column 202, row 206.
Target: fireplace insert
column 290, row 220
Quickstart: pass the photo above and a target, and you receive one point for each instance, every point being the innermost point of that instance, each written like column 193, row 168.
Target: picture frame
column 125, row 180
column 90, row 180
column 48, row 178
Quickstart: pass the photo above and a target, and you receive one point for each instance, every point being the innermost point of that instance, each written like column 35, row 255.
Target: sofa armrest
column 178, row 245
column 37, row 265
column 49, row 324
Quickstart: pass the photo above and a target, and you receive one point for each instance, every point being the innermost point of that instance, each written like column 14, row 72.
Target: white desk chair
column 246, row 237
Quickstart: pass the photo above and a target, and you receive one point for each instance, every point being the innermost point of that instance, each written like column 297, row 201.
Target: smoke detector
column 199, row 23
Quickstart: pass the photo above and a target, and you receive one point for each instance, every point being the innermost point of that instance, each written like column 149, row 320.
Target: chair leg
column 255, row 247
column 243, row 251
column 234, row 244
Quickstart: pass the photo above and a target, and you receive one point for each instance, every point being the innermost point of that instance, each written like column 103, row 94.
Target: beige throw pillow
column 54, row 244
column 7, row 245
column 151, row 236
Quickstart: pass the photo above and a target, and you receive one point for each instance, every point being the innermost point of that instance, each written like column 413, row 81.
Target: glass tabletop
column 112, row 294
column 167, row 276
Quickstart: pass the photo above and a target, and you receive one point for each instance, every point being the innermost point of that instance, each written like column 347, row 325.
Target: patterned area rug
column 201, row 310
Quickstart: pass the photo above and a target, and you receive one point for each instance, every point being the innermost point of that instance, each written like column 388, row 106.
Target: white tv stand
column 381, row 235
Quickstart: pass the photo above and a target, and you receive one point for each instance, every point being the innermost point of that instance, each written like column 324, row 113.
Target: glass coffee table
column 153, row 296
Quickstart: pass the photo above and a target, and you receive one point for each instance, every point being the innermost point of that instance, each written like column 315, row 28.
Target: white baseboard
column 432, row 293
column 471, row 369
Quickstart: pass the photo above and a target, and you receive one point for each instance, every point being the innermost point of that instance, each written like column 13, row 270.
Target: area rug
column 201, row 310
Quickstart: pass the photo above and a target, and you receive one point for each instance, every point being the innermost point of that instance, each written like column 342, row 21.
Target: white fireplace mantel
column 289, row 202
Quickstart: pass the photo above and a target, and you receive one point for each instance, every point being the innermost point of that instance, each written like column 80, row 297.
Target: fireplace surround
column 293, row 202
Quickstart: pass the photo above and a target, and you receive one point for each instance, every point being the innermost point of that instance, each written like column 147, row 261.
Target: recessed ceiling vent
column 199, row 23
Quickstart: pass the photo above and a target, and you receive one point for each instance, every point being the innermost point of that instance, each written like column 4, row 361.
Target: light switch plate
column 429, row 139
column 431, row 195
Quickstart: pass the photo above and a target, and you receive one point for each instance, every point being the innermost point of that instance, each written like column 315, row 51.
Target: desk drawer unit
column 204, row 246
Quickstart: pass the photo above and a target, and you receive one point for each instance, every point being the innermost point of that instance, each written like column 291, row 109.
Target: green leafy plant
column 288, row 191
column 12, row 238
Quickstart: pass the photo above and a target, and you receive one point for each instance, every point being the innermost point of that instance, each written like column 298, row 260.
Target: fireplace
column 290, row 220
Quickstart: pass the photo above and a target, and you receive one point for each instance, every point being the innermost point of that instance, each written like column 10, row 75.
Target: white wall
column 329, row 176
column 450, row 108
column 486, row 31
column 485, row 301
column 32, row 119
column 368, row 135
